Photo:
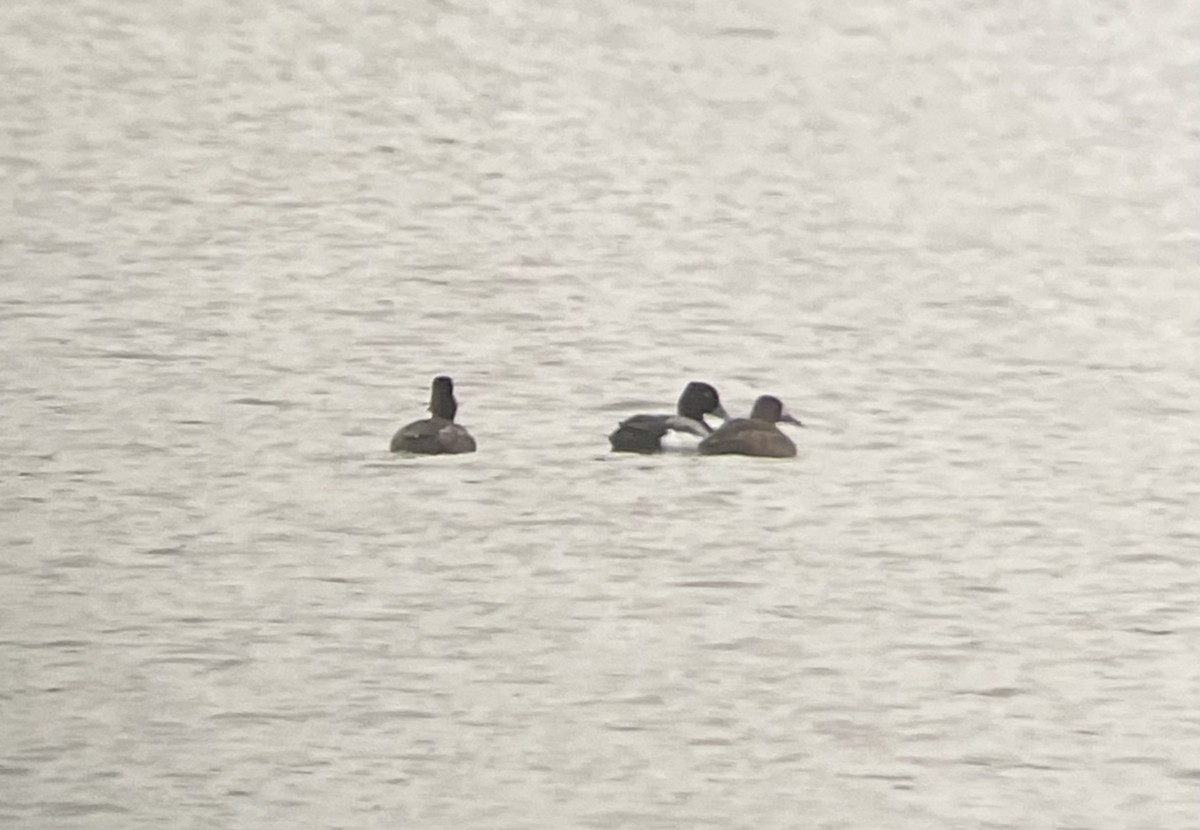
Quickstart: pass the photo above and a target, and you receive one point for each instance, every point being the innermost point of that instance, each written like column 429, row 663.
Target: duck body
column 644, row 433
column 438, row 434
column 433, row 436
column 757, row 435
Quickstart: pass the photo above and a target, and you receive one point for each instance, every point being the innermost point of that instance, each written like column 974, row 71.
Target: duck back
column 432, row 436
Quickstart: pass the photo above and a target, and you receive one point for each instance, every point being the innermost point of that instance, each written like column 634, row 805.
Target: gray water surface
column 960, row 242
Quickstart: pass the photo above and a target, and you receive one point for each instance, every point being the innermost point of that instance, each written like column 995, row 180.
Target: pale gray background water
column 959, row 240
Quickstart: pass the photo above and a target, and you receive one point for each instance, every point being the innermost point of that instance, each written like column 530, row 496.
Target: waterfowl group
column 757, row 435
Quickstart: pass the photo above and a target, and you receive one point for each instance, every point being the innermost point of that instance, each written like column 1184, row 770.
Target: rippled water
column 960, row 242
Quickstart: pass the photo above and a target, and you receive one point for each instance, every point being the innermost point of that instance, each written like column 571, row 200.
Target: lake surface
column 962, row 243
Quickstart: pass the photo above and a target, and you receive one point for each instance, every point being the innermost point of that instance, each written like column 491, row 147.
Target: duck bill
column 721, row 413
column 788, row 419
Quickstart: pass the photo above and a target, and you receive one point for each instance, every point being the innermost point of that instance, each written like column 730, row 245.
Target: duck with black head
column 757, row 435
column 436, row 435
column 644, row 433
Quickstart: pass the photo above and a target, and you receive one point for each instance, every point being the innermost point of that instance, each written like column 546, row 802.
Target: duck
column 644, row 433
column 437, row 435
column 757, row 435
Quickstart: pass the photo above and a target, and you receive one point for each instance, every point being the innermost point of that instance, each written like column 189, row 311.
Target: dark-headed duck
column 439, row 434
column 756, row 435
column 644, row 433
